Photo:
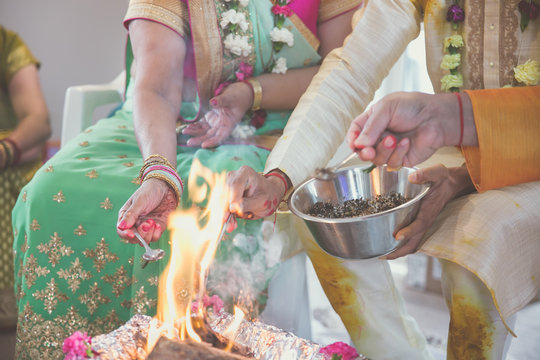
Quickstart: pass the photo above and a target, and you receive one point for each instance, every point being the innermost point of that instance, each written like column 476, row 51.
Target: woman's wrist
column 279, row 177
column 256, row 92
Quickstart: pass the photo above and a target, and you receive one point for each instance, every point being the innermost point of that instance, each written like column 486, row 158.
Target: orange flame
column 194, row 240
column 232, row 329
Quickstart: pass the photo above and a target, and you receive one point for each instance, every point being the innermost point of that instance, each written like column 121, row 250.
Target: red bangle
column 278, row 175
column 461, row 121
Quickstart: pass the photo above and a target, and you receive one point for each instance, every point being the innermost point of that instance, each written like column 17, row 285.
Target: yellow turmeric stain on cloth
column 470, row 335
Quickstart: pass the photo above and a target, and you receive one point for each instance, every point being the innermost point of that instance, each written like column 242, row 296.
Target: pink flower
column 284, row 10
column 78, row 346
column 214, row 301
column 244, row 71
column 221, row 87
column 340, row 350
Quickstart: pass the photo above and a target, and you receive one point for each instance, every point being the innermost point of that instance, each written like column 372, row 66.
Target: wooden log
column 167, row 349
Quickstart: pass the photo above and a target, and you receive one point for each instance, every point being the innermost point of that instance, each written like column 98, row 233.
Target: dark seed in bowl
column 357, row 207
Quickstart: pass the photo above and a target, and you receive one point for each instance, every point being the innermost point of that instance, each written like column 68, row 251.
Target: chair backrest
column 81, row 102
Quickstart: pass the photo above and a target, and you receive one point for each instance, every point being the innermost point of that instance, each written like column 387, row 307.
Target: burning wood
column 166, row 349
column 254, row 339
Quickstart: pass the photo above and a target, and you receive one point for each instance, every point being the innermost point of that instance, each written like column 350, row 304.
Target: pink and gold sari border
column 171, row 13
column 305, row 32
column 207, row 46
column 332, row 8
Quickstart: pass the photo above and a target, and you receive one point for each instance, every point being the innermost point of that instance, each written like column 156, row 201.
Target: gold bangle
column 168, row 181
column 257, row 93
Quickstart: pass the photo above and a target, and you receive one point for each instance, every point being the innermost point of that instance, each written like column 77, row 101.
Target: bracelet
column 154, row 159
column 278, row 175
column 167, row 169
column 256, row 88
column 170, row 180
column 461, row 121
column 16, row 151
column 4, row 157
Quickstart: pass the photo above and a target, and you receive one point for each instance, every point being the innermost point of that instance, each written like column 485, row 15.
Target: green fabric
column 72, row 270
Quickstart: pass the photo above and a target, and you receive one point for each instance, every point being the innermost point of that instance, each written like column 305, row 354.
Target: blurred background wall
column 77, row 41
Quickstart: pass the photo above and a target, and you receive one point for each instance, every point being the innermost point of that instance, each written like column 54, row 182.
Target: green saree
column 72, row 270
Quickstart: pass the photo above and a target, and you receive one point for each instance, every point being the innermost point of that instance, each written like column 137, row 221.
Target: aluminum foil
column 264, row 341
column 128, row 342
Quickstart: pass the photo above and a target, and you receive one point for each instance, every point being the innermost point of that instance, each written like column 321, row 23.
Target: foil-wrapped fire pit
column 255, row 339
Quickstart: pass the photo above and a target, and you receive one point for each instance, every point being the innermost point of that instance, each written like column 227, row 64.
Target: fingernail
column 158, row 227
column 400, row 237
column 389, row 142
column 122, row 225
column 131, row 235
column 213, row 102
column 145, row 227
column 413, row 177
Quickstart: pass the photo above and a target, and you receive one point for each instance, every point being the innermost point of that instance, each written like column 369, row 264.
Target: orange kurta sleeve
column 508, row 126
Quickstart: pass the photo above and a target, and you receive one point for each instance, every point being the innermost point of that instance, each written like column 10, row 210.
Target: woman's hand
column 147, row 211
column 419, row 123
column 228, row 108
column 252, row 195
column 447, row 184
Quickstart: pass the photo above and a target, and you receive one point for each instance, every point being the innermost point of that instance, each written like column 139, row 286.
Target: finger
column 158, row 231
column 238, row 182
column 429, row 174
column 384, row 150
column 196, row 129
column 355, row 129
column 374, row 126
column 397, row 157
column 232, row 225
column 221, row 134
column 410, row 246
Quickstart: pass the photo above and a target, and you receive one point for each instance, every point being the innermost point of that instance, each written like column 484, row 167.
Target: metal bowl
column 361, row 237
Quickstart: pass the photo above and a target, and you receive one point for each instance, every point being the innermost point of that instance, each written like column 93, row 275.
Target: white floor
column 430, row 312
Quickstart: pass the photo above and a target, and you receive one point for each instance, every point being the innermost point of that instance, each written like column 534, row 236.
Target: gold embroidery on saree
column 100, row 255
column 79, row 231
column 141, row 302
column 129, row 164
column 59, row 197
column 74, row 275
column 94, row 298
column 84, row 143
column 207, row 46
column 92, row 174
column 106, row 204
column 119, row 280
column 49, row 168
column 32, row 271
column 172, row 13
column 50, row 296
column 55, row 249
column 305, row 32
column 332, row 8
column 34, row 226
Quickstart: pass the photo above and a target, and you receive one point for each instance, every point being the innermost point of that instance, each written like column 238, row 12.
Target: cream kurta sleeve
column 344, row 86
column 508, row 126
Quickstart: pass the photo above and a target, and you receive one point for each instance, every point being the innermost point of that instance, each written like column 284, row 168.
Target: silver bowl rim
column 305, row 216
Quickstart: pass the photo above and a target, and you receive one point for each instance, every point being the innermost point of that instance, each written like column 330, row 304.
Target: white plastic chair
column 288, row 303
column 81, row 102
